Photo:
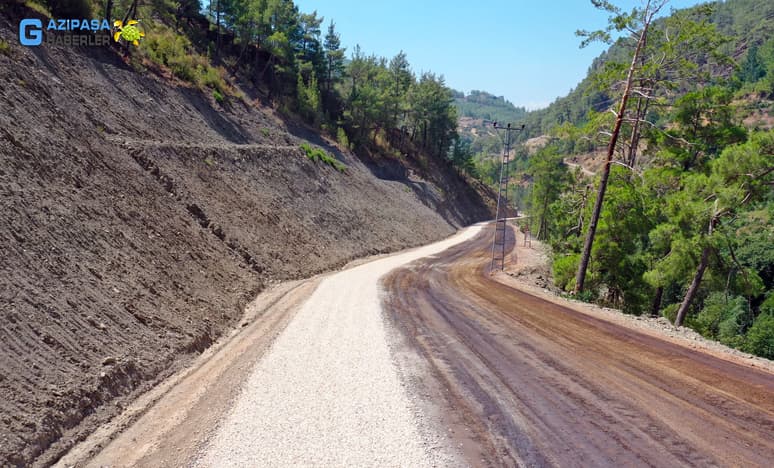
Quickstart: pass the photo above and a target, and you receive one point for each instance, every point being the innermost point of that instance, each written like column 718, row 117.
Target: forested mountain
column 477, row 145
column 480, row 105
column 679, row 218
column 744, row 25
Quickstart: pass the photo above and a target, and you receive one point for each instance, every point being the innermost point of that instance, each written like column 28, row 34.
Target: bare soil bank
column 137, row 218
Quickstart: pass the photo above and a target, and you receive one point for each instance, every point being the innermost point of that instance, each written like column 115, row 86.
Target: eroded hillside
column 138, row 217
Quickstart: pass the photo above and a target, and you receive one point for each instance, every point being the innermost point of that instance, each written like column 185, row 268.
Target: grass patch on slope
column 318, row 154
column 175, row 52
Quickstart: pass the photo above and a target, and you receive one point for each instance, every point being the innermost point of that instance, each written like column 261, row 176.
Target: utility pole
column 501, row 215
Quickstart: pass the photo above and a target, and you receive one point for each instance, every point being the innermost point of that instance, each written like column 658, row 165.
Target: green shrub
column 760, row 337
column 212, row 78
column 341, row 137
column 564, row 268
column 768, row 305
column 586, row 295
column 217, row 95
column 166, row 48
column 182, row 68
column 5, row 48
column 310, row 152
column 318, row 154
column 175, row 52
column 670, row 312
column 309, row 101
column 38, row 6
column 721, row 318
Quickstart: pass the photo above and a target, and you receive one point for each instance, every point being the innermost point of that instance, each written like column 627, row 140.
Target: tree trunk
column 330, row 74
column 580, row 277
column 131, row 13
column 635, row 140
column 640, row 115
column 109, row 12
column 235, row 68
column 266, row 67
column 703, row 262
column 543, row 227
column 693, row 288
column 582, row 210
column 217, row 39
column 654, row 309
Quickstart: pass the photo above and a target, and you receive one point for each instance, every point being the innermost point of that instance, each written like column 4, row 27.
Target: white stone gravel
column 328, row 391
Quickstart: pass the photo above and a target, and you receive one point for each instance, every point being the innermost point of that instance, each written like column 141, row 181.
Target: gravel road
column 536, row 383
column 328, row 392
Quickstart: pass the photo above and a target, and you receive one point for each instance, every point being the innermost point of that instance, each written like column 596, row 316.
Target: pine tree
column 638, row 22
column 334, row 54
column 753, row 69
column 400, row 82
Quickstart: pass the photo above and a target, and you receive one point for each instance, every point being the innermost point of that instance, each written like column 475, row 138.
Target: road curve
column 529, row 382
column 328, row 392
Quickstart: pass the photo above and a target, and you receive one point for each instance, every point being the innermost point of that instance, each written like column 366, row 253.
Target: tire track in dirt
column 535, row 383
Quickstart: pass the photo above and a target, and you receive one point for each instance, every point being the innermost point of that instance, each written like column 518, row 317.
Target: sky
column 524, row 50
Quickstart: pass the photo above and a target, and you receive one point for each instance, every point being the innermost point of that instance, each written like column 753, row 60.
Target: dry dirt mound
column 136, row 219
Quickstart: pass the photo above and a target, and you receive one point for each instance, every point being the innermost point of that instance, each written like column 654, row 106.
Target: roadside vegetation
column 679, row 220
column 294, row 60
column 164, row 48
column 318, row 154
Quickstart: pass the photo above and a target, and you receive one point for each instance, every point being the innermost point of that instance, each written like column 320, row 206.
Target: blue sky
column 524, row 50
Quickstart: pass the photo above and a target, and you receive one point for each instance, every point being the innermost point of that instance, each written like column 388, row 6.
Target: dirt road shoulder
column 165, row 427
column 529, row 271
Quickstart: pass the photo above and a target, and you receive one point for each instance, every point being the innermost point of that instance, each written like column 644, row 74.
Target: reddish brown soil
column 529, row 382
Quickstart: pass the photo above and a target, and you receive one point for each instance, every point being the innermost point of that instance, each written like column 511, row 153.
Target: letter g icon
column 30, row 32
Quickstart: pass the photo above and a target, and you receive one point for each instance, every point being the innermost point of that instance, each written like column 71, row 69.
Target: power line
column 501, row 215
